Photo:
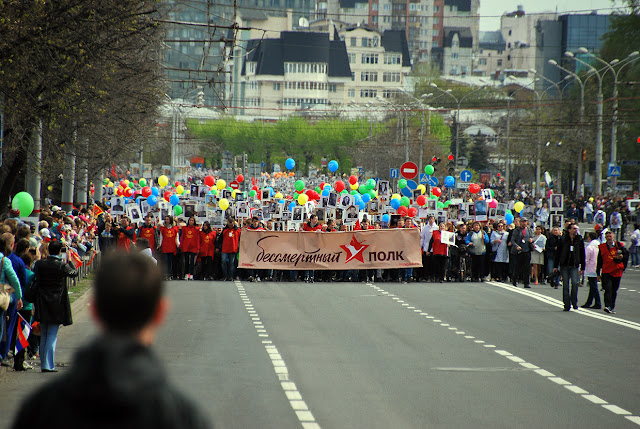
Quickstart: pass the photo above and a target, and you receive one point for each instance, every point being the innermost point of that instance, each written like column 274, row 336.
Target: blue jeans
column 228, row 265
column 635, row 256
column 9, row 326
column 309, row 274
column 594, row 294
column 48, row 341
column 553, row 280
column 569, row 273
column 407, row 273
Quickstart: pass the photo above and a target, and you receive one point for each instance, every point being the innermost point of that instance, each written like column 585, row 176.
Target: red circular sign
column 234, row 185
column 409, row 170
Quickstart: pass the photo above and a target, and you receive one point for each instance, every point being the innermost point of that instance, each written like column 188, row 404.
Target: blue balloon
column 290, row 163
column 152, row 200
column 327, row 188
column 291, row 206
column 333, row 166
column 174, row 200
column 395, row 203
column 280, row 201
column 366, row 198
column 155, row 191
column 325, row 193
column 385, row 218
column 361, row 204
column 271, row 193
column 508, row 218
column 449, row 182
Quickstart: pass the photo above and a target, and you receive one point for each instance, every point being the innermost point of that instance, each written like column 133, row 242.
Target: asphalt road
column 388, row 355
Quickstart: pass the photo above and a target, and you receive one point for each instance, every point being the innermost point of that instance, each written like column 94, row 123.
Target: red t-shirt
column 124, row 241
column 168, row 239
column 230, row 239
column 307, row 227
column 207, row 243
column 190, row 240
column 148, row 232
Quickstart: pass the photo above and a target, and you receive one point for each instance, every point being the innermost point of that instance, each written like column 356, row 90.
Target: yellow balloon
column 224, row 204
column 354, row 186
column 422, row 189
column 163, row 181
column 395, row 196
column 179, row 189
column 302, row 199
column 221, row 184
column 278, row 195
column 110, row 184
column 518, row 206
column 234, row 192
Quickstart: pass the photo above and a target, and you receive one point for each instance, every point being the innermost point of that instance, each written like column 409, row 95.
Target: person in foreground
column 116, row 380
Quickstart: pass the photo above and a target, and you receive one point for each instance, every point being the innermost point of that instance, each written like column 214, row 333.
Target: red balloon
column 421, row 200
column 339, row 186
column 146, row 191
column 436, row 191
column 413, row 211
column 309, row 193
column 167, row 195
column 128, row 192
column 119, row 191
column 322, row 185
column 353, row 180
column 177, row 183
column 209, row 181
column 240, row 178
column 123, row 184
column 255, row 188
column 474, row 188
column 402, row 210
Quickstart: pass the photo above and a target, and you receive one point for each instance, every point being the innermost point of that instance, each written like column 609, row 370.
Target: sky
column 491, row 10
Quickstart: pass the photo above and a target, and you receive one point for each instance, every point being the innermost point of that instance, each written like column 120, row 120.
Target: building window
column 508, row 57
column 276, row 86
column 369, row 59
column 388, row 93
column 352, row 58
column 374, row 6
column 351, row 93
column 391, row 77
column 436, row 20
column 436, row 8
column 333, row 87
column 387, row 7
column 368, row 93
column 368, row 76
column 454, row 55
column 482, row 61
column 435, row 32
column 499, row 62
column 354, row 41
column 392, row 59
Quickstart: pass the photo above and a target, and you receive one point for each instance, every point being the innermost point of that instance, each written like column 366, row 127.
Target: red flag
column 23, row 331
column 97, row 211
column 74, row 258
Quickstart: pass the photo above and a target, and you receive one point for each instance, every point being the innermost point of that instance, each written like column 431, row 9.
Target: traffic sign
column 394, row 173
column 433, row 181
column 631, row 162
column 613, row 170
column 462, row 185
column 424, row 179
column 407, row 191
column 409, row 170
column 465, row 175
column 234, row 185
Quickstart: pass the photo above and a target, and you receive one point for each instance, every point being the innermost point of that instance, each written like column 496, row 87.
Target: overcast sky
column 491, row 10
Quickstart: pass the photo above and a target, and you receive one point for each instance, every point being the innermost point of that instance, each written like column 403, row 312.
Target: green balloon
column 433, row 197
column 402, row 183
column 106, row 182
column 404, row 201
column 318, row 190
column 440, row 205
column 371, row 183
column 354, row 192
column 299, row 185
column 509, row 211
column 23, row 201
column 252, row 193
column 142, row 182
column 214, row 191
column 372, row 194
column 363, row 189
column 428, row 169
column 177, row 210
column 344, row 191
column 493, row 194
column 446, row 203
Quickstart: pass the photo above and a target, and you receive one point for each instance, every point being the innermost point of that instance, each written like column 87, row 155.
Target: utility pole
column 68, row 174
column 34, row 167
column 83, row 176
column 507, row 163
column 406, row 137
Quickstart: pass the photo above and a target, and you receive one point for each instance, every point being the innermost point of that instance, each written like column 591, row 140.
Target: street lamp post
column 422, row 127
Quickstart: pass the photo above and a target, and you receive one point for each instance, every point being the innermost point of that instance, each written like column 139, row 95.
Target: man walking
column 570, row 257
column 521, row 243
column 612, row 261
column 230, row 241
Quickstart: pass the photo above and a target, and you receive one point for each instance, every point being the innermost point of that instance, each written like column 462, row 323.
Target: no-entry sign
column 234, row 185
column 409, row 170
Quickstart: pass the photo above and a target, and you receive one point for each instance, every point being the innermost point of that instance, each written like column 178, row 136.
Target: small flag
column 74, row 258
column 22, row 339
column 97, row 211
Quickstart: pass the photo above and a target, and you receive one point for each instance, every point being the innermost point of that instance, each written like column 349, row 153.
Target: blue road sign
column 394, row 173
column 263, row 165
column 424, row 179
column 613, row 171
column 433, row 181
column 407, row 191
column 411, row 184
column 465, row 175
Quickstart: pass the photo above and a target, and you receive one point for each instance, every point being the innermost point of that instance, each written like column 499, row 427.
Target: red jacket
column 606, row 261
column 168, row 239
column 148, row 232
column 307, row 227
column 437, row 246
column 125, row 238
column 190, row 239
column 230, row 239
column 207, row 243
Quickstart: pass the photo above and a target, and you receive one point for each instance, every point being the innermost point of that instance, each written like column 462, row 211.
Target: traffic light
column 451, row 165
column 435, row 161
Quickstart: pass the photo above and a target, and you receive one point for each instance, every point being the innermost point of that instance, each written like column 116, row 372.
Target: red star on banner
column 354, row 250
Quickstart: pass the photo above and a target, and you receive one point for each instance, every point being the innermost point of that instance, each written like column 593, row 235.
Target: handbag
column 5, row 290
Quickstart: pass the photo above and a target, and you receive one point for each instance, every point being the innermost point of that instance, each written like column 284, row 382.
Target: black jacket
column 52, row 304
column 115, row 382
column 564, row 249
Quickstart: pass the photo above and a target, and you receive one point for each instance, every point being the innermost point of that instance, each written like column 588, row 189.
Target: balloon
column 428, row 169
column 299, row 185
column 395, row 196
column 252, row 193
column 290, row 163
column 152, row 200
column 146, row 191
column 474, row 188
column 509, row 211
column 155, row 191
column 179, row 189
column 404, row 201
column 413, row 211
column 590, row 199
column 302, row 199
column 402, row 211
column 518, row 206
column 110, row 184
column 317, row 189
column 372, row 194
column 291, row 206
column 353, row 186
column 353, row 179
column 167, row 195
column 221, row 184
column 493, row 194
column 402, row 183
column 422, row 189
column 333, row 166
column 105, row 182
column 143, row 182
column 213, row 191
column 177, row 210
column 493, row 204
column 395, row 203
column 371, row 183
column 124, row 183
column 449, row 181
column 240, row 178
column 508, row 218
column 421, row 200
column 163, row 181
column 440, row 205
column 339, row 186
column 366, row 198
column 23, row 201
column 209, row 181
column 447, row 203
column 354, row 191
column 325, row 193
column 326, row 188
column 363, row 189
column 128, row 192
column 224, row 203
column 278, row 195
column 436, row 191
column 174, row 200
column 385, row 218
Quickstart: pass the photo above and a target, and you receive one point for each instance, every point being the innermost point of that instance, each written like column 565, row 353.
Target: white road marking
column 576, row 389
column 615, row 409
column 634, row 419
column 559, row 380
column 594, row 399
